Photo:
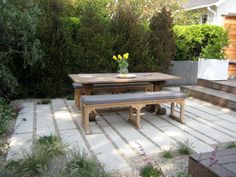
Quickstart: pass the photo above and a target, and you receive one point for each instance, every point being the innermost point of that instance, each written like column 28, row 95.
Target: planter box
column 187, row 70
column 213, row 69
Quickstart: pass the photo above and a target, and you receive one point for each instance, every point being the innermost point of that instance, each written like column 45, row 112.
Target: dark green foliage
column 132, row 36
column 45, row 101
column 70, row 97
column 196, row 41
column 7, row 113
column 150, row 171
column 231, row 145
column 162, row 42
column 19, row 46
column 94, row 40
column 44, row 41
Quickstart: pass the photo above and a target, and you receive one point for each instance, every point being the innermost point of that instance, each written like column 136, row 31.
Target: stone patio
column 115, row 142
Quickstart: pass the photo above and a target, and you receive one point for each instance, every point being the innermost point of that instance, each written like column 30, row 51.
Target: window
column 204, row 19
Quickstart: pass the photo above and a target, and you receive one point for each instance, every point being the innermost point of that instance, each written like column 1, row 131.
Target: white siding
column 229, row 6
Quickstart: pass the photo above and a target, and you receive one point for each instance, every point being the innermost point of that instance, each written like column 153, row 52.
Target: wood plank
column 112, row 78
column 200, row 165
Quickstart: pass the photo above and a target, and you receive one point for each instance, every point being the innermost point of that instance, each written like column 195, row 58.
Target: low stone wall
column 187, row 70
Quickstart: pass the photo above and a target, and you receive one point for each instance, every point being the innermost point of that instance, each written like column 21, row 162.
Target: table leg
column 158, row 86
column 88, row 88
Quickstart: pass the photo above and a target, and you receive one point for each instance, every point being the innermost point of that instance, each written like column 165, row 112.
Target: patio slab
column 114, row 141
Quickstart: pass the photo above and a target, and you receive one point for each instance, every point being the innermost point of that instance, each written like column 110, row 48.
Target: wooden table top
column 105, row 78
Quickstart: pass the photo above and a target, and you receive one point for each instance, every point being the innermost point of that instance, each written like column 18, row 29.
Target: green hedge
column 194, row 41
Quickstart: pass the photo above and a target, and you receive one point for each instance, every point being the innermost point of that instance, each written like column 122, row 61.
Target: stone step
column 226, row 86
column 216, row 97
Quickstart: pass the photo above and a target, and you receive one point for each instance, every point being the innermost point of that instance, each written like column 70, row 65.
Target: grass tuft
column 45, row 101
column 4, row 146
column 81, row 165
column 168, row 154
column 70, row 97
column 184, row 148
column 53, row 145
column 231, row 145
column 150, row 171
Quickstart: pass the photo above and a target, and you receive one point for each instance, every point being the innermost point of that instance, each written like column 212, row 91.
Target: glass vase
column 123, row 70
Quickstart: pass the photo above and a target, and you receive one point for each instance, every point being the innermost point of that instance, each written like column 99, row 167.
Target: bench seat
column 135, row 102
column 113, row 88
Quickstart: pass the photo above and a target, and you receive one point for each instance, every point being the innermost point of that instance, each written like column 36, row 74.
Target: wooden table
column 88, row 80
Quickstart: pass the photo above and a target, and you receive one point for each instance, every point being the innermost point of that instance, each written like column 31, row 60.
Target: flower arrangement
column 122, row 63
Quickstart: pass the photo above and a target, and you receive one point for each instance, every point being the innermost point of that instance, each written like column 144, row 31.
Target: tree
column 162, row 44
column 19, row 46
column 132, row 36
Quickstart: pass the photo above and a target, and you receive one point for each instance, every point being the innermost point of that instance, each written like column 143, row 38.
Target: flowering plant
column 122, row 62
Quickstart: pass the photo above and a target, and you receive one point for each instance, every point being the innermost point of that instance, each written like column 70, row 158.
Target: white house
column 215, row 11
column 222, row 13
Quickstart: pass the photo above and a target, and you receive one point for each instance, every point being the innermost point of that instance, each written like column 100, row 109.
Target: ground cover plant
column 168, row 154
column 47, row 151
column 184, row 148
column 7, row 113
column 231, row 145
column 150, row 171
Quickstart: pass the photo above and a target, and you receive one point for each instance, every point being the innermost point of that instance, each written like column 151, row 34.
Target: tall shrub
column 93, row 38
column 196, row 41
column 161, row 38
column 19, row 45
column 131, row 36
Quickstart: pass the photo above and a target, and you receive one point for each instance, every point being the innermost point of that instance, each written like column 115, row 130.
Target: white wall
column 229, row 6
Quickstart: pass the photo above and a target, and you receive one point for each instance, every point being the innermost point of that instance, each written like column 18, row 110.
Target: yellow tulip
column 120, row 57
column 126, row 56
column 114, row 57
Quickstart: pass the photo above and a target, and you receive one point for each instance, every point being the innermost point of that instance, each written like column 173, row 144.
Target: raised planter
column 187, row 70
column 213, row 69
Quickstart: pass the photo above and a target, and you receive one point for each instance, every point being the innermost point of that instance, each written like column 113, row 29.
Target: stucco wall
column 187, row 70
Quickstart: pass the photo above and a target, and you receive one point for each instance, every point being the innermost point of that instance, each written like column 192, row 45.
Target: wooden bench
column 113, row 88
column 135, row 102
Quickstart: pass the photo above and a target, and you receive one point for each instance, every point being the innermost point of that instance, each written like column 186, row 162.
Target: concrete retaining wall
column 187, row 70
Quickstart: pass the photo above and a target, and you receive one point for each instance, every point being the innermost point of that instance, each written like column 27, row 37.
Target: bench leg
column 130, row 113
column 182, row 112
column 85, row 119
column 136, row 122
column 172, row 113
column 77, row 97
column 172, row 109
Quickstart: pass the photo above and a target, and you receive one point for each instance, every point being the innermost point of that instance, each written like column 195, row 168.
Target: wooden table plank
column 106, row 78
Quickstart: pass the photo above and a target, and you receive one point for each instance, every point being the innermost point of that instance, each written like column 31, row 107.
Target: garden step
column 226, row 86
column 216, row 97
